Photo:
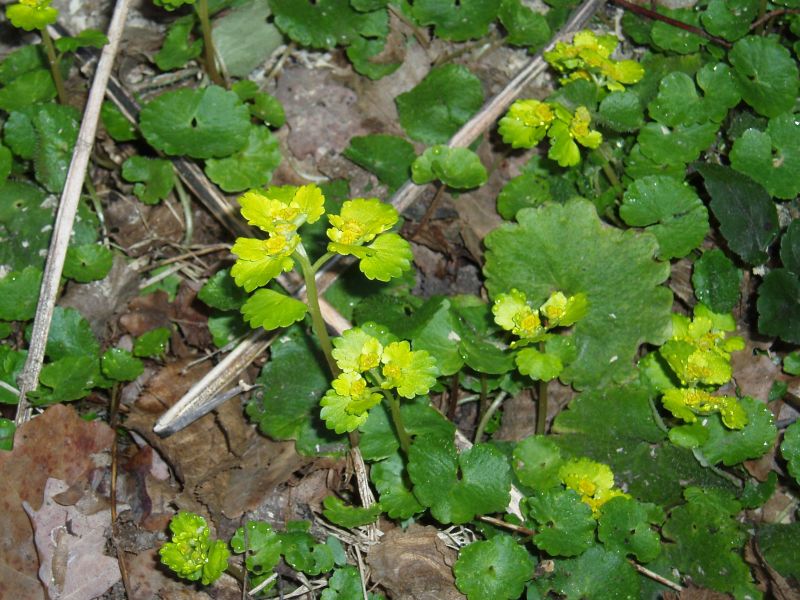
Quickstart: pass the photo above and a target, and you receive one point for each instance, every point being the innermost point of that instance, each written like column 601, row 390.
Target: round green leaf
column 790, row 449
column 455, row 486
column 621, row 111
column 525, row 26
column 677, row 145
column 670, row 210
column 344, row 515
column 117, row 125
column 201, row 123
column 627, row 305
column 32, row 15
column 716, row 281
column 459, row 168
column 624, row 525
column 220, row 291
column 524, row 191
column 594, row 570
column 497, row 568
column 440, row 104
column 790, row 247
column 88, row 262
column 120, row 365
column 70, row 334
column 152, row 343
column 7, row 429
column 387, row 156
column 326, row 23
column 766, row 74
column 250, row 167
column 539, row 366
column 261, row 545
column 730, row 446
column 565, row 524
column 270, row 310
column 771, row 157
column 19, row 293
column 456, row 20
column 177, row 48
column 779, row 305
column 537, row 461
column 729, row 19
column 390, row 478
column 26, row 89
column 668, row 37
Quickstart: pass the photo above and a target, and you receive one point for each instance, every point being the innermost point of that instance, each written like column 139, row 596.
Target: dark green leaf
column 597, row 569
column 11, row 364
column 621, row 111
column 716, row 281
column 455, row 486
column 56, row 128
column 29, row 57
column 624, row 526
column 387, row 156
column 756, row 493
column 390, row 478
column 378, row 439
column 668, row 37
column 201, row 123
column 365, row 54
column 790, row 247
column 250, row 167
column 790, row 449
column 220, row 291
column 303, row 553
column 457, row 20
column 70, row 335
column 69, row 378
column 261, row 546
column 525, row 27
column 178, row 48
column 19, row 293
column 730, row 446
column 670, row 210
column 497, row 568
column 88, row 262
column 564, row 524
column 269, row 109
column 780, row 545
column 440, row 104
column 729, row 19
column 779, row 305
column 524, row 191
column 747, row 216
column 766, row 74
column 326, row 23
column 88, row 38
column 28, row 88
column 676, row 145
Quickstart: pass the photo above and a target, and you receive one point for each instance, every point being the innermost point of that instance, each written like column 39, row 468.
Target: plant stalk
column 397, row 419
column 541, row 408
column 317, row 322
column 208, row 43
column 52, row 59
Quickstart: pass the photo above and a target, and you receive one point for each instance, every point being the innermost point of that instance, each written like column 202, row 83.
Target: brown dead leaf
column 146, row 313
column 696, row 593
column 70, row 546
column 140, row 228
column 149, row 580
column 414, row 564
column 753, row 370
column 57, row 444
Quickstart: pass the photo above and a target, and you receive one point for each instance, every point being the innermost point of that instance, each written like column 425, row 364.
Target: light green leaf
column 564, row 524
column 7, row 430
column 177, row 48
column 69, row 378
column 459, row 168
column 670, row 210
column 716, row 281
column 120, row 365
column 455, row 486
column 384, row 259
column 766, row 74
column 456, row 20
column 153, row 343
column 117, row 125
column 244, row 38
column 729, row 19
column 440, row 104
column 387, row 156
column 497, row 568
column 70, row 335
column 32, row 15
column 250, row 167
column 747, row 215
column 677, row 145
column 539, row 366
column 202, row 123
column 270, row 310
column 771, row 157
column 11, row 364
column 344, row 515
column 261, row 546
column 88, row 38
column 527, row 190
column 627, row 305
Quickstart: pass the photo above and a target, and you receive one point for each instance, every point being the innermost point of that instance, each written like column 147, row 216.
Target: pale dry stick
column 68, row 206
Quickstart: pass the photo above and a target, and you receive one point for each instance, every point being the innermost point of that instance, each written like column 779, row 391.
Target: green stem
column 321, row 261
column 397, row 419
column 208, row 43
column 317, row 322
column 50, row 51
column 541, row 408
column 608, row 170
column 487, row 416
column 186, row 204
